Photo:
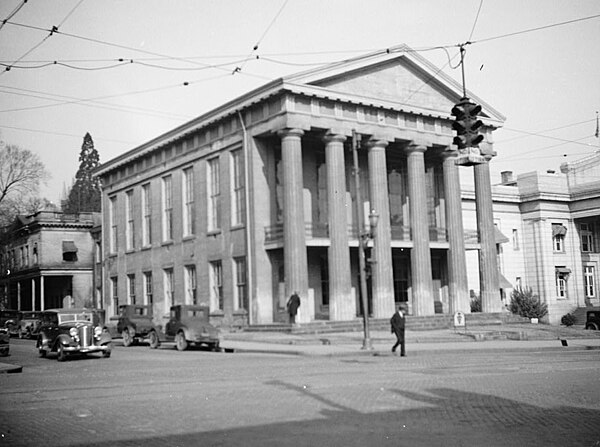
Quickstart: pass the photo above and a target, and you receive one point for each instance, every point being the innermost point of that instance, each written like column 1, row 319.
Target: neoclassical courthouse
column 255, row 200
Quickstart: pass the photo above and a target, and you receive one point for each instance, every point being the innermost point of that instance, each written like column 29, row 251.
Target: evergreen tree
column 85, row 193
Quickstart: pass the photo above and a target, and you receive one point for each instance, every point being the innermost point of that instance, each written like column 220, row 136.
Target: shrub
column 568, row 319
column 475, row 302
column 524, row 303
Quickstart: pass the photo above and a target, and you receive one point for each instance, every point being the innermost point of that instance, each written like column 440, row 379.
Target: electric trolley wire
column 12, row 14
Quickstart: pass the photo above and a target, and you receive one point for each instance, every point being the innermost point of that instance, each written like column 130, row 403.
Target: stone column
column 342, row 305
column 458, row 287
column 42, row 297
column 383, row 275
column 489, row 284
column 33, row 294
column 294, row 238
column 420, row 255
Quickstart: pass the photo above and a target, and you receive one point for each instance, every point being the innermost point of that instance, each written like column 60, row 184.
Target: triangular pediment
column 399, row 76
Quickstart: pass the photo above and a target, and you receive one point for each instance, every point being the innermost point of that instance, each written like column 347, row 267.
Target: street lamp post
column 363, row 240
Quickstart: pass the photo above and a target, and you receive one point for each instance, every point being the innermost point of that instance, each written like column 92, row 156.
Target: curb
column 7, row 368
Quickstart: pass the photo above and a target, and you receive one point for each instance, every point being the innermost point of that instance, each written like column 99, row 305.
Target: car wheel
column 62, row 355
column 41, row 350
column 127, row 338
column 591, row 326
column 181, row 342
column 153, row 340
column 106, row 354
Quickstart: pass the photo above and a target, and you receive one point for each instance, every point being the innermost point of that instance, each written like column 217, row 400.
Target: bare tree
column 21, row 172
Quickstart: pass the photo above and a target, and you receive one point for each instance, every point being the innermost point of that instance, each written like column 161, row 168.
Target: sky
column 127, row 71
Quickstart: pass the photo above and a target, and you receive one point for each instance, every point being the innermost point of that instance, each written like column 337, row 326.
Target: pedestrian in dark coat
column 293, row 304
column 397, row 323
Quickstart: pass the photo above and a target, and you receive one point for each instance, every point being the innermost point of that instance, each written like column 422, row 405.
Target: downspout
column 249, row 247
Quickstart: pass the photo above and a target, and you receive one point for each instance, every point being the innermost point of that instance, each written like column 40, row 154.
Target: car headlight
column 97, row 331
column 73, row 332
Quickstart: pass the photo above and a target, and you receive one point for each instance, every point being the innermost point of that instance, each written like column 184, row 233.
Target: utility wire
column 476, row 18
column 47, row 132
column 239, row 68
column 139, row 50
column 539, row 133
column 12, row 14
column 516, row 33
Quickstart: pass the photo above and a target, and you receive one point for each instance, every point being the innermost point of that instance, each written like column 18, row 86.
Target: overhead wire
column 239, row 68
column 12, row 14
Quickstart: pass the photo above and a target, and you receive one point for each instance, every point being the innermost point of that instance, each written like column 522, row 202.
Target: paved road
column 192, row 398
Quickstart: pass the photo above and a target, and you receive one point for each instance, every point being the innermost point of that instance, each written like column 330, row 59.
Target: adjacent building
column 46, row 261
column 255, row 200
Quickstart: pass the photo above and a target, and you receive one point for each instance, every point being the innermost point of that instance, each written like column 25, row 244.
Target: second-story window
column 238, row 198
column 113, row 224
column 189, row 218
column 587, row 237
column 559, row 232
column 147, row 215
column 167, row 204
column 130, row 229
column 214, row 195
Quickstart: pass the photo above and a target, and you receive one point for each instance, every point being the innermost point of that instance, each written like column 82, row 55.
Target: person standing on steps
column 292, row 305
column 397, row 323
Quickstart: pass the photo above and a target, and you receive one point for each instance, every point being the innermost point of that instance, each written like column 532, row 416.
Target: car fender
column 105, row 337
column 63, row 339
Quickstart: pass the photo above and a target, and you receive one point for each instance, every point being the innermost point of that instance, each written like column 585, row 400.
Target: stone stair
column 413, row 323
column 580, row 315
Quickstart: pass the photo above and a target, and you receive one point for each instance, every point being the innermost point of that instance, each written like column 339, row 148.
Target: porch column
column 19, row 295
column 294, row 239
column 457, row 263
column 420, row 255
column 383, row 276
column 489, row 284
column 42, row 302
column 33, row 294
column 342, row 305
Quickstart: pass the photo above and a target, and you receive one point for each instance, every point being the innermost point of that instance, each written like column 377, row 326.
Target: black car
column 72, row 331
column 593, row 320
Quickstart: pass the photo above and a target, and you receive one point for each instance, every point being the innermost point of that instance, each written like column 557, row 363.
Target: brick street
column 165, row 397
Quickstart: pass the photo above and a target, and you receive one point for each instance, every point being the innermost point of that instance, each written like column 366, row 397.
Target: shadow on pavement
column 440, row 417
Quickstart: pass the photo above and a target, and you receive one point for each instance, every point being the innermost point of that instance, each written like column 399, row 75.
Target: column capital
column 332, row 137
column 449, row 153
column 376, row 143
column 415, row 147
column 290, row 132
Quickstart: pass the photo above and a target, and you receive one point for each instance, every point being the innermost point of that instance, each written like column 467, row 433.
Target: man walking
column 397, row 322
column 293, row 304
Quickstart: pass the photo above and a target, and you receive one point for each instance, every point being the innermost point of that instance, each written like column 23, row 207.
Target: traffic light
column 466, row 124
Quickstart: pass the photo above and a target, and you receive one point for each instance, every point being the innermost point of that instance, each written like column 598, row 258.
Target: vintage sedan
column 4, row 341
column 72, row 331
column 135, row 323
column 188, row 325
column 592, row 320
column 29, row 323
column 9, row 319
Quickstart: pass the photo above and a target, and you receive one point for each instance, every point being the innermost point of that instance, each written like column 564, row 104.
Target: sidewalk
column 495, row 337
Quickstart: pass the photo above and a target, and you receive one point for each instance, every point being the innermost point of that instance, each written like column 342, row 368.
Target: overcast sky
column 542, row 74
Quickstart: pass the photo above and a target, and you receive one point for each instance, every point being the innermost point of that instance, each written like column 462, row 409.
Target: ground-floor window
column 169, row 289
column 148, row 288
column 240, row 291
column 589, row 280
column 216, row 286
column 190, row 282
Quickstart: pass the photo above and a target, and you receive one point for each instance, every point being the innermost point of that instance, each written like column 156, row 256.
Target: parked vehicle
column 4, row 341
column 593, row 320
column 188, row 325
column 72, row 331
column 9, row 319
column 29, row 324
column 135, row 323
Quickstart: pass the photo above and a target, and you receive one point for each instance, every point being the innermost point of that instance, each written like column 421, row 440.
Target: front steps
column 413, row 323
